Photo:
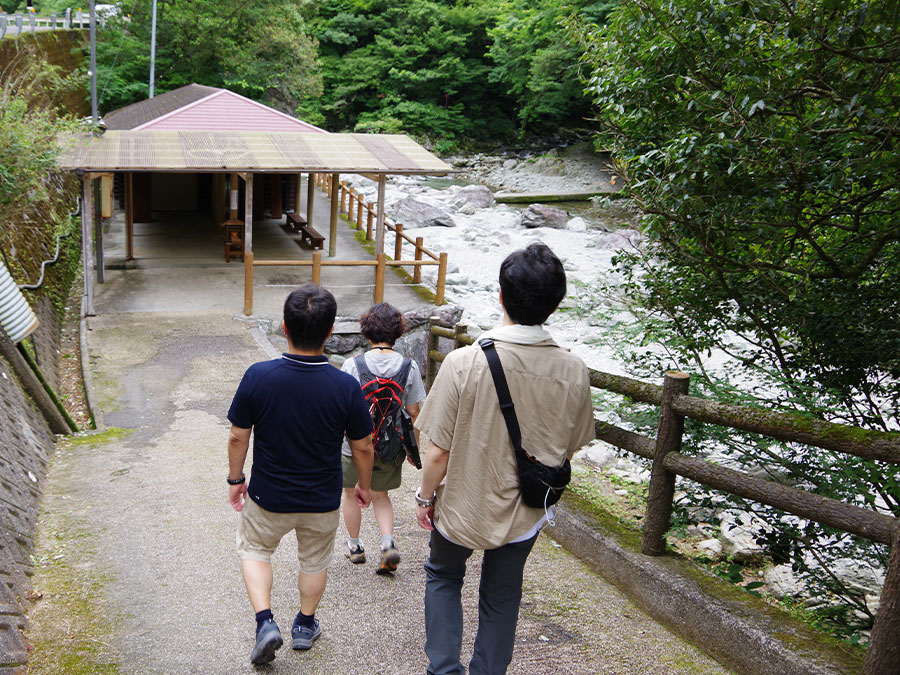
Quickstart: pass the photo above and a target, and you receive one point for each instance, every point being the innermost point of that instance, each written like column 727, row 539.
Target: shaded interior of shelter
column 179, row 217
column 179, row 261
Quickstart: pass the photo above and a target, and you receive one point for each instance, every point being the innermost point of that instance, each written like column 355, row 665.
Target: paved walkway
column 159, row 534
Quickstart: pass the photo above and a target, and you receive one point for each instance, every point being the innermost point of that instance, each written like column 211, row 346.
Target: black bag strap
column 506, row 404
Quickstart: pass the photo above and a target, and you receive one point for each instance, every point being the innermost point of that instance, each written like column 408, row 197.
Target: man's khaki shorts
column 260, row 532
column 385, row 475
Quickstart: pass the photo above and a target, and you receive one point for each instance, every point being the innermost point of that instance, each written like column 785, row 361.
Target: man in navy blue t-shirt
column 299, row 408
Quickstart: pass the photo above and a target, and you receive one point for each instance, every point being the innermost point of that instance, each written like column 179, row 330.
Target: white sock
column 387, row 541
column 353, row 543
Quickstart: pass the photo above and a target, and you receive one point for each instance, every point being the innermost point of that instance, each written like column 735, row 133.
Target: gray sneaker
column 357, row 555
column 268, row 639
column 302, row 637
column 390, row 558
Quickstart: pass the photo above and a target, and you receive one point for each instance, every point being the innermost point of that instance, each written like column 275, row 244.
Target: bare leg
column 352, row 513
column 311, row 587
column 258, row 580
column 384, row 512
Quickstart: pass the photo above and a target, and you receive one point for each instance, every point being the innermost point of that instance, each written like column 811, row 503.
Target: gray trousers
column 499, row 595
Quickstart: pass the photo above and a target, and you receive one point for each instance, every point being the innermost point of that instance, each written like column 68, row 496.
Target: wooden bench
column 295, row 221
column 316, row 240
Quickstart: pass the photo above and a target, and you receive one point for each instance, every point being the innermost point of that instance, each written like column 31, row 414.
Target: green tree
column 761, row 141
column 257, row 48
column 537, row 63
column 416, row 65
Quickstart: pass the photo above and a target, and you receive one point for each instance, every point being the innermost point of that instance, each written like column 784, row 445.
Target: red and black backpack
column 385, row 398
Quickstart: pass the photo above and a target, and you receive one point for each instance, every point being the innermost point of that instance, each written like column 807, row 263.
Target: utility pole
column 94, row 115
column 153, row 49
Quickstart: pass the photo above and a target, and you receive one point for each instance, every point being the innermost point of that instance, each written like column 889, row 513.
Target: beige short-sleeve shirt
column 479, row 503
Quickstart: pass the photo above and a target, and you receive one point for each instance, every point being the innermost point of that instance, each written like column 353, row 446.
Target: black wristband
column 236, row 481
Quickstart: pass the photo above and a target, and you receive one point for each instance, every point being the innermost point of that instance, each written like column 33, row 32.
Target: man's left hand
column 236, row 496
column 363, row 497
column 425, row 516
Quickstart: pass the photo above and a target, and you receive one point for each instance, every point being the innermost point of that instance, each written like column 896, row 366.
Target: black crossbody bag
column 542, row 485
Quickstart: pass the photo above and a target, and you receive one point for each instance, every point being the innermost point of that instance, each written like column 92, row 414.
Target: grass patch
column 110, row 434
column 68, row 625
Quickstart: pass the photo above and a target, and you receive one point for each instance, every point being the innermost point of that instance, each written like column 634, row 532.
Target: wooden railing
column 362, row 215
column 346, row 198
column 883, row 655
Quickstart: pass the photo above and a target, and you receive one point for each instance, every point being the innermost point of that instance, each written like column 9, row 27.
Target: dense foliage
column 446, row 70
column 761, row 140
column 258, row 48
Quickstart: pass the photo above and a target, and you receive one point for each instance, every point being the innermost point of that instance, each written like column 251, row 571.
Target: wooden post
column 351, row 196
column 248, row 214
column 343, row 197
column 662, row 482
column 298, row 186
column 441, row 280
column 359, row 210
column 129, row 216
column 459, row 330
column 883, row 655
column 417, row 270
column 379, row 277
column 99, row 264
column 398, row 241
column 248, row 283
column 379, row 216
column 317, row 268
column 87, row 257
column 310, row 199
column 276, row 200
column 332, row 230
column 432, row 344
column 370, row 218
column 233, row 197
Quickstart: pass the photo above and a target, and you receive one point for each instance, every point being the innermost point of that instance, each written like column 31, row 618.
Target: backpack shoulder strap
column 403, row 374
column 365, row 375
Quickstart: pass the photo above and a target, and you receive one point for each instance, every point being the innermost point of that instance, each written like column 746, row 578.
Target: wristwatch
column 236, row 481
column 425, row 503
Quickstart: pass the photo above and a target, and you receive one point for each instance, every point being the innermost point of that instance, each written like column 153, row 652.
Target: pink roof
column 227, row 111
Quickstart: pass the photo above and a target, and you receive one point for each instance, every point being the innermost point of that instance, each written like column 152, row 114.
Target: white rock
column 713, row 546
column 782, row 582
column 738, row 535
column 577, row 224
column 600, row 454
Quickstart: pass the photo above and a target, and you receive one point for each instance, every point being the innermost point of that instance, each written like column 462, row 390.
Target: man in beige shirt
column 469, row 496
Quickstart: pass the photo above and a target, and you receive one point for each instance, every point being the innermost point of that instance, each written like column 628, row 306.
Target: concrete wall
column 27, row 236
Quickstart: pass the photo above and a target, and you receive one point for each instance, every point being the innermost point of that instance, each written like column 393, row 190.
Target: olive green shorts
column 385, row 475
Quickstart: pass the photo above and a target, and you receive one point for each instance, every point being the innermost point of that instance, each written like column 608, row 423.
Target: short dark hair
column 533, row 283
column 309, row 313
column 382, row 323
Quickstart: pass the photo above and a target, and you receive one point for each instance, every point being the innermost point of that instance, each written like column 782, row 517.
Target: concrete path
column 163, row 537
column 148, row 519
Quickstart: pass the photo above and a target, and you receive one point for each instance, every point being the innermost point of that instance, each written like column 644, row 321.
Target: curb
column 741, row 633
column 93, row 412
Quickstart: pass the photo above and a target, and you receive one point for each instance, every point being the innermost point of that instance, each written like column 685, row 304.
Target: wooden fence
column 883, row 655
column 421, row 256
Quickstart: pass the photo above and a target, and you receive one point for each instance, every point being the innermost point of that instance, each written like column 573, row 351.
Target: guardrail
column 883, row 655
column 16, row 24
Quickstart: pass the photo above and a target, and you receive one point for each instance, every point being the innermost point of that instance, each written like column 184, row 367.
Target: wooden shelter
column 215, row 133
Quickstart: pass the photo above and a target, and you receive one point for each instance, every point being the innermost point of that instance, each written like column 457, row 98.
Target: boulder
column 413, row 213
column 539, row 215
column 739, row 532
column 479, row 196
column 577, row 224
column 342, row 344
column 449, row 315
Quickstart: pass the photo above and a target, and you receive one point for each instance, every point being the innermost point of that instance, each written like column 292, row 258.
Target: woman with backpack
column 390, row 382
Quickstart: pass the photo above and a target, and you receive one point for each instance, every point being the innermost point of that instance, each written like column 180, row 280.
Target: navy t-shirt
column 300, row 407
